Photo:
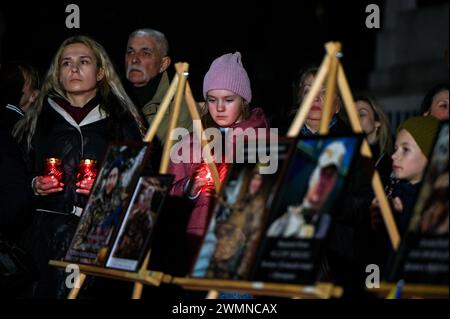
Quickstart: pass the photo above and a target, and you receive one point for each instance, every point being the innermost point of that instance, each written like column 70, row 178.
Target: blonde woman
column 81, row 109
column 377, row 128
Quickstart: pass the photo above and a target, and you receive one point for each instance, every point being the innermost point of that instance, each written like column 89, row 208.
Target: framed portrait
column 107, row 203
column 238, row 217
column 301, row 215
column 423, row 256
column 133, row 239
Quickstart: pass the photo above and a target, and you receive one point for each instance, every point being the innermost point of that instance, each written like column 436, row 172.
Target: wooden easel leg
column 347, row 98
column 197, row 122
column 162, row 110
column 212, row 294
column 137, row 291
column 303, row 111
column 376, row 180
column 332, row 49
column 75, row 290
column 174, row 118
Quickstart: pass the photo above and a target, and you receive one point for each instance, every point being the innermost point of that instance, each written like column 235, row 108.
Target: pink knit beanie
column 227, row 73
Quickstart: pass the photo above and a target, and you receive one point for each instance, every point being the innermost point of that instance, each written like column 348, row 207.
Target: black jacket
column 15, row 190
column 407, row 193
column 9, row 116
column 58, row 135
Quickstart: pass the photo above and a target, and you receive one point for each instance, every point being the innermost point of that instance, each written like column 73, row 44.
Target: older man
column 146, row 61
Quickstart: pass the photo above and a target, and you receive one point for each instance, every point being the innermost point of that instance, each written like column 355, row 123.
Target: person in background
column 435, row 102
column 146, row 62
column 413, row 146
column 15, row 219
column 377, row 128
column 312, row 124
column 19, row 88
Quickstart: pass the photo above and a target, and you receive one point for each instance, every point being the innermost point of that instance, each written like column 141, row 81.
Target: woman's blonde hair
column 383, row 135
column 113, row 99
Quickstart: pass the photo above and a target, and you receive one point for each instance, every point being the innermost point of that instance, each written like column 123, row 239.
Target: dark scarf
column 141, row 95
column 306, row 132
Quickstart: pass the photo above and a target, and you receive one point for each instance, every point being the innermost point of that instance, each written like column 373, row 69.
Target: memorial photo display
column 238, row 218
column 133, row 239
column 301, row 215
column 107, row 203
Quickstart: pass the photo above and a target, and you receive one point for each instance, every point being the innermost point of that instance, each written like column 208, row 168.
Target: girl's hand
column 196, row 185
column 376, row 220
column 397, row 204
column 45, row 185
column 199, row 181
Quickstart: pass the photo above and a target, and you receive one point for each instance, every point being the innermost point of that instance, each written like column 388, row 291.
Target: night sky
column 276, row 38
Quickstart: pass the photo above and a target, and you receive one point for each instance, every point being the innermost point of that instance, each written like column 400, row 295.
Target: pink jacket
column 198, row 221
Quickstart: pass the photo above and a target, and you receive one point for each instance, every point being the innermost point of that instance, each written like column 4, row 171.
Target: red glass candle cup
column 53, row 168
column 87, row 170
column 203, row 172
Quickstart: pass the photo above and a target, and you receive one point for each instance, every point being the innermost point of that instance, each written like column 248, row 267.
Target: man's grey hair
column 161, row 40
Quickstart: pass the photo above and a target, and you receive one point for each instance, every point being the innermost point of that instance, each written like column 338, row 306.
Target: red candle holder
column 87, row 170
column 53, row 168
column 203, row 172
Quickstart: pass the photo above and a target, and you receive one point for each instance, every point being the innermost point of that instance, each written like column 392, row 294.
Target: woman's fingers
column 83, row 191
column 45, row 185
column 85, row 186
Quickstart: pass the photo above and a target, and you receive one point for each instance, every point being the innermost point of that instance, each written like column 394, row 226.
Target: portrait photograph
column 431, row 213
column 238, row 219
column 133, row 239
column 301, row 215
column 107, row 203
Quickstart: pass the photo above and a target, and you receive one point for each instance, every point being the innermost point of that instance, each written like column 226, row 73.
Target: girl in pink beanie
column 227, row 93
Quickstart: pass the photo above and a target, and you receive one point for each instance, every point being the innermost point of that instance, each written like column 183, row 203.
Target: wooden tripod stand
column 333, row 70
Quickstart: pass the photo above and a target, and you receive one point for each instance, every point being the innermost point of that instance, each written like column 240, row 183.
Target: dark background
column 276, row 38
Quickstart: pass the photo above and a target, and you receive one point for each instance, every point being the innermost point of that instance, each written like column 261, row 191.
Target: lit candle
column 87, row 170
column 53, row 168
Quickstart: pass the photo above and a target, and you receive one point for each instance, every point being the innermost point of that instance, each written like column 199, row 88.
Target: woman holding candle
column 227, row 93
column 81, row 109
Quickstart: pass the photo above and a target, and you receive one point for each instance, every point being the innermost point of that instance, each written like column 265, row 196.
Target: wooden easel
column 413, row 291
column 319, row 290
column 179, row 85
column 213, row 286
column 332, row 68
column 180, row 88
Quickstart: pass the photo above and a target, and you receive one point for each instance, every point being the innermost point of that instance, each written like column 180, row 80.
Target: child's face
column 408, row 160
column 224, row 106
